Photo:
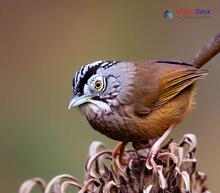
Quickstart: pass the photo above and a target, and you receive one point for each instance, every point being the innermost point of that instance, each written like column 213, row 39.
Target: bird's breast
column 117, row 124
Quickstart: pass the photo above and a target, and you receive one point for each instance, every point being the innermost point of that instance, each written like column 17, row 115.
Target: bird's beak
column 79, row 100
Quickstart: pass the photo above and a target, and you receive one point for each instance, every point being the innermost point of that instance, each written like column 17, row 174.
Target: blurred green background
column 42, row 43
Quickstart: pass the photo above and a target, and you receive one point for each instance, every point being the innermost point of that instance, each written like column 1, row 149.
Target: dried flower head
column 175, row 172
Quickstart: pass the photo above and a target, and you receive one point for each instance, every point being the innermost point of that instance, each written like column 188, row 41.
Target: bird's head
column 101, row 85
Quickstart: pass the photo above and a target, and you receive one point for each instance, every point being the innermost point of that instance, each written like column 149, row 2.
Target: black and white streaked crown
column 85, row 72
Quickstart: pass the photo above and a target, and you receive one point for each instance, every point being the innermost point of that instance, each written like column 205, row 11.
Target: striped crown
column 85, row 72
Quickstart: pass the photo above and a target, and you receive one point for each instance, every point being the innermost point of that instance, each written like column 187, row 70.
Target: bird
column 139, row 101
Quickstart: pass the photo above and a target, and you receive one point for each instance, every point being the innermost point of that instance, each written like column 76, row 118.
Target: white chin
column 99, row 105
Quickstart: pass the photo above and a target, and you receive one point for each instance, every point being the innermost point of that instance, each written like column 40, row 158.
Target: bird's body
column 145, row 114
column 138, row 101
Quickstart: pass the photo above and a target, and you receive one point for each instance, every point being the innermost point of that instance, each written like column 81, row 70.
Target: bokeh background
column 42, row 43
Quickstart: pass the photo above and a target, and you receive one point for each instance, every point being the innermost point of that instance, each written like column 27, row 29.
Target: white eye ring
column 99, row 84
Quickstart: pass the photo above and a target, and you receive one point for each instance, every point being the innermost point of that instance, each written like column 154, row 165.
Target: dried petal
column 148, row 189
column 54, row 185
column 27, row 186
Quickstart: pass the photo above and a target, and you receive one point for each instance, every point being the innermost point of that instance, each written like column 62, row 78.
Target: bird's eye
column 98, row 84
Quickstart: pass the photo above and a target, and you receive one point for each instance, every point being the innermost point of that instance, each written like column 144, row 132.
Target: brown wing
column 146, row 87
column 176, row 77
column 171, row 79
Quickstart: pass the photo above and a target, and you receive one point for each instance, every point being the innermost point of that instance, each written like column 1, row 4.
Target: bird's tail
column 207, row 52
